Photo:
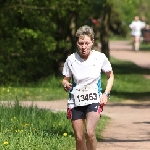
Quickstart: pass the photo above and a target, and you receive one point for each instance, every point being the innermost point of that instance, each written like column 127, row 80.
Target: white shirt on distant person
column 136, row 27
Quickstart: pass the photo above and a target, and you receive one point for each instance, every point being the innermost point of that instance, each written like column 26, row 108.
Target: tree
column 37, row 35
column 116, row 16
column 105, row 22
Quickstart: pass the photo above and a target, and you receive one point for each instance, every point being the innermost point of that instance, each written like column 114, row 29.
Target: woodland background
column 37, row 36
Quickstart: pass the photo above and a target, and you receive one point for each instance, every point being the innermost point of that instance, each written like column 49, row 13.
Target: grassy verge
column 33, row 128
column 144, row 46
column 103, row 122
column 47, row 90
column 119, row 38
column 129, row 84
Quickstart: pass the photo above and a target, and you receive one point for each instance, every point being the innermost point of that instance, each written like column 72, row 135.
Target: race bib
column 85, row 95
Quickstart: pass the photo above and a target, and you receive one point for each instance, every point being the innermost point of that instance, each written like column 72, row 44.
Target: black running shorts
column 81, row 111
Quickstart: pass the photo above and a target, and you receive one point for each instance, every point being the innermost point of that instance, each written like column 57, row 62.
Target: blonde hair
column 85, row 30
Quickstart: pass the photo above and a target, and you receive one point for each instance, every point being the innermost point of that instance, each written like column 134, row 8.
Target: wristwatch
column 107, row 94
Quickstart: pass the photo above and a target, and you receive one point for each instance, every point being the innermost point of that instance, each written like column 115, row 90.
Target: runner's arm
column 110, row 80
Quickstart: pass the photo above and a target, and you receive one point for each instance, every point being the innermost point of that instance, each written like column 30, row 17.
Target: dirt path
column 129, row 128
column 123, row 50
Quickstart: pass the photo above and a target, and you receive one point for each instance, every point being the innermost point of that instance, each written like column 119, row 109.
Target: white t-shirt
column 85, row 72
column 136, row 27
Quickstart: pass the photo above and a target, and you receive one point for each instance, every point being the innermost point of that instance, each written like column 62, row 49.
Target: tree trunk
column 104, row 30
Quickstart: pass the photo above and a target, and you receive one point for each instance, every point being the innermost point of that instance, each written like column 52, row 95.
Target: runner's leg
column 78, row 127
column 137, row 43
column 133, row 43
column 92, row 120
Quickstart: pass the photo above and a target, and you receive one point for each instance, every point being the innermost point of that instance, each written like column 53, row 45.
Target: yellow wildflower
column 5, row 143
column 65, row 134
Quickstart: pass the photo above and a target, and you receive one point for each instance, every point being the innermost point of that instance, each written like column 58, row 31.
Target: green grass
column 46, row 90
column 103, row 122
column 119, row 38
column 129, row 84
column 145, row 46
column 34, row 129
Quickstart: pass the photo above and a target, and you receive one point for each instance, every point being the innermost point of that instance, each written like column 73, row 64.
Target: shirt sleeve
column 106, row 64
column 66, row 70
column 131, row 25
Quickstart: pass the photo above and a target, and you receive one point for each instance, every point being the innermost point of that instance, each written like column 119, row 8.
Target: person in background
column 136, row 26
column 82, row 79
column 143, row 19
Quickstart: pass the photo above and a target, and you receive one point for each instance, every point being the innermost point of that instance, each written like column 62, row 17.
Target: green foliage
column 127, row 9
column 38, row 35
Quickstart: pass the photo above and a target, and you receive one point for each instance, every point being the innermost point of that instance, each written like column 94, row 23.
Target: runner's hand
column 67, row 86
column 103, row 100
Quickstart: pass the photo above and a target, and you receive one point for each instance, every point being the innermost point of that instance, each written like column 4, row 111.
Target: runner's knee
column 90, row 134
column 79, row 138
